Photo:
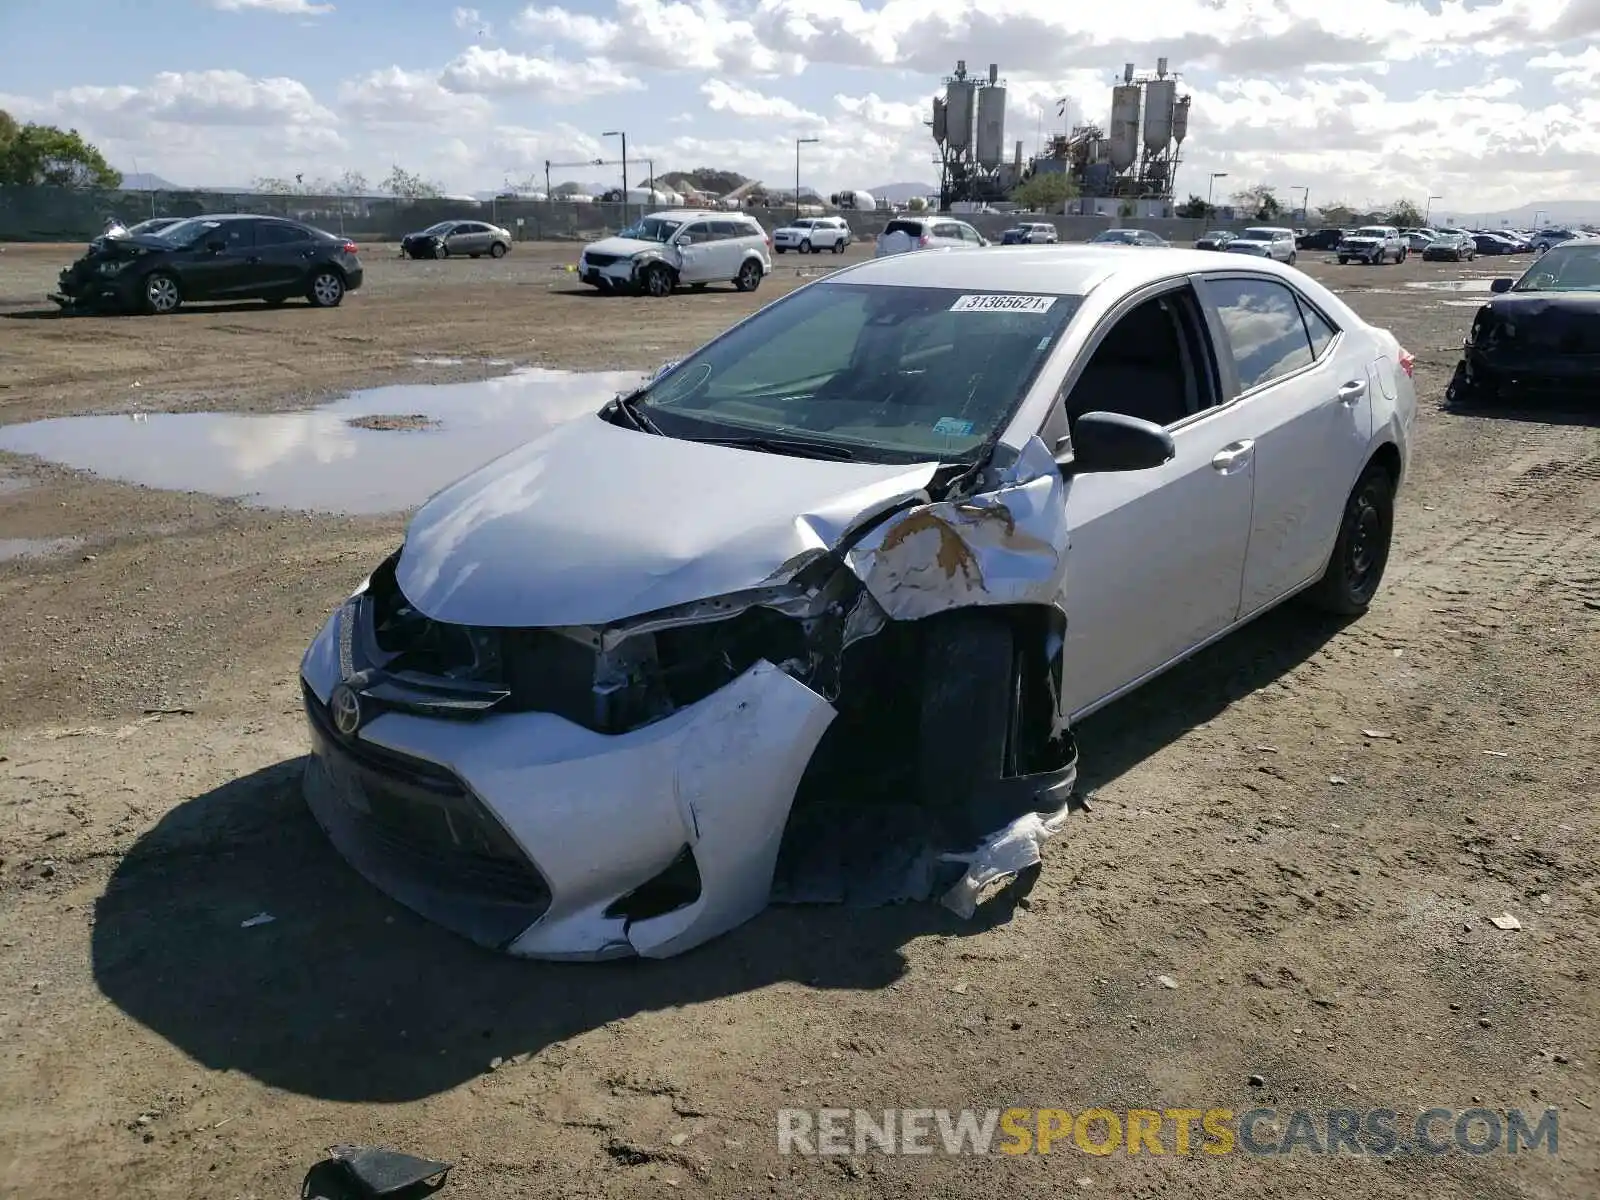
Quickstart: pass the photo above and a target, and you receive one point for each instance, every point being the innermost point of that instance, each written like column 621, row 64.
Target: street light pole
column 1211, row 187
column 1305, row 200
column 798, row 142
column 618, row 133
column 1428, row 208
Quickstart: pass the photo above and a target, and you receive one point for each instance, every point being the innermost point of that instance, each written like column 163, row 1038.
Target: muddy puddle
column 377, row 451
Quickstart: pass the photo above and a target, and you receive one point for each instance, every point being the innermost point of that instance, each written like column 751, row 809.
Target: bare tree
column 409, row 186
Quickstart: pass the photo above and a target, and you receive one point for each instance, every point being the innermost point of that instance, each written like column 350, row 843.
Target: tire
column 440, row 250
column 1344, row 260
column 780, row 249
column 1355, row 569
column 498, row 250
column 963, row 719
column 805, row 247
column 838, row 247
column 325, row 288
column 749, row 277
column 1291, row 258
column 161, row 293
column 657, row 281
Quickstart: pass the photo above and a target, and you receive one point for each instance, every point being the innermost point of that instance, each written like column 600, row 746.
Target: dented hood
column 1560, row 322
column 592, row 523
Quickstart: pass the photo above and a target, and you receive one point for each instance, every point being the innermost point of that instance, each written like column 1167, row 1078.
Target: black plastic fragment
column 367, row 1173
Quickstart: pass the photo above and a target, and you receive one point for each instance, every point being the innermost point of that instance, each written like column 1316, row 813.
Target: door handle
column 1233, row 456
column 1352, row 391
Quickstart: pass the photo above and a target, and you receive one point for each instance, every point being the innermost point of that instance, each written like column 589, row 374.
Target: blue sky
column 1489, row 103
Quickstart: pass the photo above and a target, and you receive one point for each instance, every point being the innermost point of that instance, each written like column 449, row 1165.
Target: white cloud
column 697, row 35
column 471, row 21
column 1572, row 70
column 500, row 72
column 393, row 96
column 742, row 102
column 288, row 8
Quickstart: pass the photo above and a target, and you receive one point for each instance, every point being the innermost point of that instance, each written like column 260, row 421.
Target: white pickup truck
column 812, row 235
column 1373, row 244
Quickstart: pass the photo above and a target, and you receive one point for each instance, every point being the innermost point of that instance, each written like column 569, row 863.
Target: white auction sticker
column 1027, row 304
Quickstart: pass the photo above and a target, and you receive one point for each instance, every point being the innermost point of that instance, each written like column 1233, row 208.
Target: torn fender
column 1006, row 546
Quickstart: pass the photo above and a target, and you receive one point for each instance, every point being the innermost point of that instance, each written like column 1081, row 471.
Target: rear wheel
column 749, row 277
column 326, row 289
column 1361, row 552
column 161, row 294
column 1291, row 258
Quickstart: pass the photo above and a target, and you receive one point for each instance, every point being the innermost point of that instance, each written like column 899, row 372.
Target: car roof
column 1065, row 269
column 686, row 214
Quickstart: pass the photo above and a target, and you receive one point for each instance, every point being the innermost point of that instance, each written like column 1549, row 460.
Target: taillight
column 349, row 247
column 923, row 240
column 1408, row 362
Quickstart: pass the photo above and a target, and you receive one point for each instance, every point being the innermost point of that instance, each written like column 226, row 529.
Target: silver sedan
column 805, row 617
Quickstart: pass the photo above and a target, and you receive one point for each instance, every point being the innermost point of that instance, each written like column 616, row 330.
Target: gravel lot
column 1319, row 893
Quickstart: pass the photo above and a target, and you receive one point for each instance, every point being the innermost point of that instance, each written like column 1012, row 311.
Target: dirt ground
column 1319, row 893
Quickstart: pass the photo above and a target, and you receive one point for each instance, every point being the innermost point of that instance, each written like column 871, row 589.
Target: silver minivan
column 682, row 248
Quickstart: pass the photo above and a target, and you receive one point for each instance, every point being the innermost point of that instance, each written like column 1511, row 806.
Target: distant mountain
column 899, row 193
column 1546, row 212
column 144, row 181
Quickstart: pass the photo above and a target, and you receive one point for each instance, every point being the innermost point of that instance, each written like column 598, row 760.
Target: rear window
column 912, row 228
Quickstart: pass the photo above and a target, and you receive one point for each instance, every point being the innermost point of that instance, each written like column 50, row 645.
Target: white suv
column 812, row 235
column 667, row 250
column 926, row 233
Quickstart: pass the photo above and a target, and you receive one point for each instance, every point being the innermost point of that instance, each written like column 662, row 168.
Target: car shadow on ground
column 346, row 996
column 1578, row 410
column 188, row 310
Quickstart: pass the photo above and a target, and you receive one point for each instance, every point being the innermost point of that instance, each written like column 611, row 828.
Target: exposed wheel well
column 1388, row 457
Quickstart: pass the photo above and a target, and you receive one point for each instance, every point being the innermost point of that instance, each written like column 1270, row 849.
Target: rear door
column 282, row 256
column 1306, row 390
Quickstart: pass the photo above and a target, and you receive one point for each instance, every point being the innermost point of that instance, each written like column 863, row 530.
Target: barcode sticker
column 1026, row 304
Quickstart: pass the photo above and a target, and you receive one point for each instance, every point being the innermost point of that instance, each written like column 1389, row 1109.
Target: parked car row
column 158, row 266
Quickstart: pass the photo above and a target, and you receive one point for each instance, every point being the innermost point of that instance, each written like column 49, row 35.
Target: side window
column 1265, row 331
column 271, row 233
column 1146, row 365
column 947, row 229
column 969, row 234
column 1317, row 327
column 240, row 235
column 699, row 231
column 725, row 230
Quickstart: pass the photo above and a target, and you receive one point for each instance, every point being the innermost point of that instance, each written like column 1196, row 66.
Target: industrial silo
column 1160, row 102
column 1124, row 132
column 940, row 124
column 1180, row 120
column 991, row 133
column 958, row 97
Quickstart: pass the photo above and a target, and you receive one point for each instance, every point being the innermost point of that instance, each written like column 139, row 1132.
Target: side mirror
column 1500, row 285
column 1108, row 441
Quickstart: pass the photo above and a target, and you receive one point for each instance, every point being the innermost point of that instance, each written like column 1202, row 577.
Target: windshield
column 1568, row 268
column 186, row 232
column 1219, row 233
column 1114, row 235
column 440, row 228
column 1263, row 234
column 889, row 374
column 1373, row 231
column 652, row 229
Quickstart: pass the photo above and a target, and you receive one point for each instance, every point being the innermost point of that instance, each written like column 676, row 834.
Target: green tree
column 1043, row 192
column 1405, row 214
column 1260, row 201
column 1194, row 207
column 32, row 155
column 408, row 185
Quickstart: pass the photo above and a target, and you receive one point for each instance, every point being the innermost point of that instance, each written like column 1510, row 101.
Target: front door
column 1311, row 408
column 697, row 254
column 1156, row 557
column 220, row 267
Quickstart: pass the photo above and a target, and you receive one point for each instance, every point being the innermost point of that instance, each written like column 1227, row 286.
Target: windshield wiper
column 629, row 404
column 797, row 447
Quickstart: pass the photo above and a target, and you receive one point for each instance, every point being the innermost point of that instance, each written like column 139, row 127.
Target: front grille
column 418, row 823
column 601, row 260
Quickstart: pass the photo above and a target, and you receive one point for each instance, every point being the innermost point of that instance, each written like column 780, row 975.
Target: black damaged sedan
column 225, row 257
column 1540, row 334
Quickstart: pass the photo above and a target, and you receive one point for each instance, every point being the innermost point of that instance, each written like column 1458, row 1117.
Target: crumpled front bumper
column 619, row 275
column 535, row 826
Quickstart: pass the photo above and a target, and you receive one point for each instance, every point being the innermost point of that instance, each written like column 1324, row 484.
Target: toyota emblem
column 346, row 708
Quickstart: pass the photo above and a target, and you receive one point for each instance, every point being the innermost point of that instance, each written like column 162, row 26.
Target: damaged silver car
column 810, row 614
